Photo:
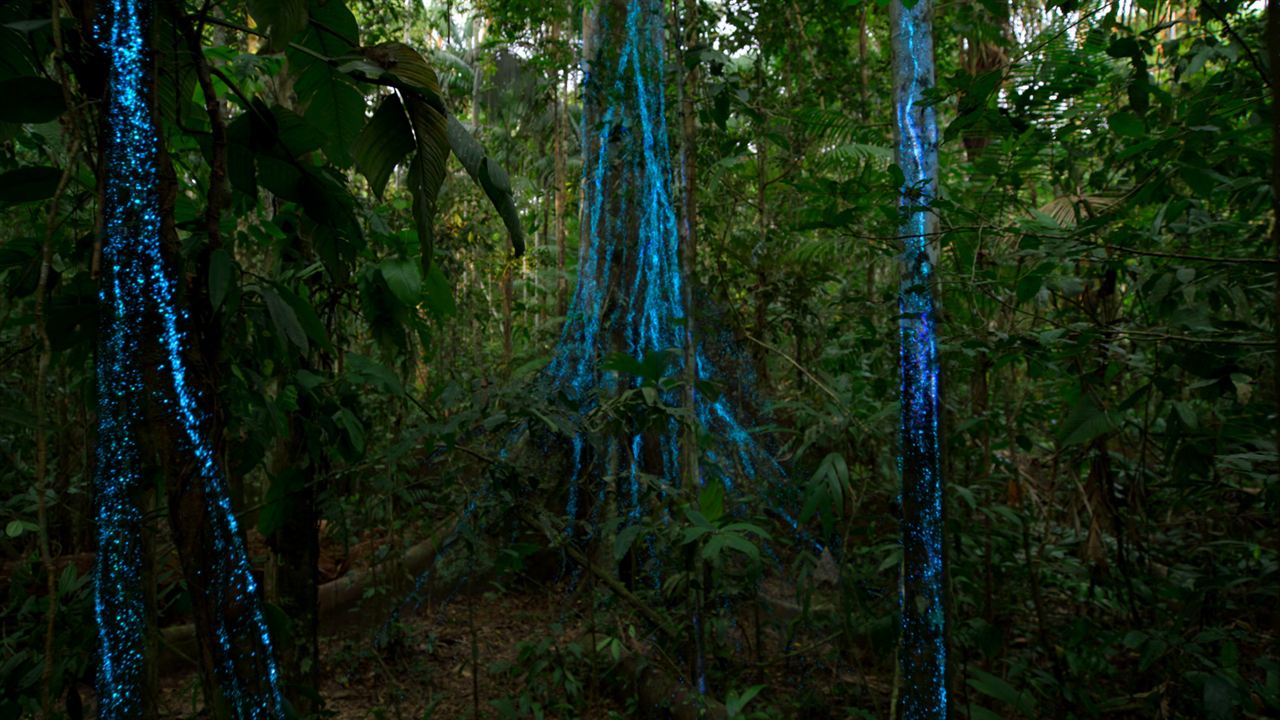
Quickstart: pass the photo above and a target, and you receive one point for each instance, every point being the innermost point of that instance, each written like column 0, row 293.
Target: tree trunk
column 922, row 646
column 507, row 300
column 689, row 233
column 293, row 573
column 561, row 181
column 1273, row 51
column 864, row 70
column 983, row 55
column 236, row 656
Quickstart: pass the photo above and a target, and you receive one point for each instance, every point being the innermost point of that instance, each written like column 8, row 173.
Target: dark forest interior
column 761, row 359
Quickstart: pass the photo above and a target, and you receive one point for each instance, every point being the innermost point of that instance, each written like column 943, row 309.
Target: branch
column 1226, row 24
column 1195, row 258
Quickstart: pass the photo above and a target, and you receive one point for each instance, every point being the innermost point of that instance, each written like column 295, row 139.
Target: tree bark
column 561, row 181
column 689, row 234
column 1273, row 51
column 922, row 645
column 983, row 55
column 293, row 576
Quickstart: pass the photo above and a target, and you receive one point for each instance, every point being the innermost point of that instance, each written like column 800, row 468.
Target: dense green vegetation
column 368, row 342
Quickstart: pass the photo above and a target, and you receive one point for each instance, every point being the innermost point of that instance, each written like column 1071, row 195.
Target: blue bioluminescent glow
column 628, row 297
column 628, row 300
column 923, row 649
column 138, row 301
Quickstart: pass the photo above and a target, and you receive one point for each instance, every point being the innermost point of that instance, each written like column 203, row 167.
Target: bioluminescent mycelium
column 139, row 312
column 922, row 649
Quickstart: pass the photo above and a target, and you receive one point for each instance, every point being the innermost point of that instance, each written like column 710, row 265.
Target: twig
column 216, row 197
column 797, row 365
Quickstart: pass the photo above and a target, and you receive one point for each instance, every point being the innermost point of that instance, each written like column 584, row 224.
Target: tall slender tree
column 922, row 649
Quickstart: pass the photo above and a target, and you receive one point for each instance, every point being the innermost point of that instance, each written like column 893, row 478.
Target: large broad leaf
column 404, row 280
column 439, row 297
column 420, row 90
column 32, row 100
column 424, row 187
column 402, row 67
column 333, row 104
column 298, row 135
column 283, row 19
column 435, row 133
column 241, row 170
column 284, row 318
column 219, row 277
column 1086, row 422
column 330, row 101
column 385, row 142
column 307, row 317
column 491, row 178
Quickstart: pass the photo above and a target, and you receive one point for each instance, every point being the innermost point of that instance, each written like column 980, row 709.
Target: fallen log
column 335, row 599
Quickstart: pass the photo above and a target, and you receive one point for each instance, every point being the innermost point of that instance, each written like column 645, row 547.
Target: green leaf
column 219, row 277
column 298, row 135
column 355, row 431
column 384, row 143
column 421, row 92
column 1202, row 181
column 278, row 501
column 13, row 529
column 711, row 501
column 307, row 317
column 409, row 71
column 439, row 296
column 327, row 97
column 622, row 363
column 332, row 104
column 491, row 178
column 1219, row 698
column 284, row 318
column 30, row 100
column 624, row 541
column 698, row 519
column 742, row 545
column 1086, row 422
column 283, row 19
column 29, row 184
column 404, row 280
column 977, row 712
column 424, row 184
column 1126, row 124
column 360, row 369
column 734, row 702
column 996, row 687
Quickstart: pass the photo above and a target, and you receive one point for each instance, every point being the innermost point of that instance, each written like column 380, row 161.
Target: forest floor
column 530, row 645
column 428, row 672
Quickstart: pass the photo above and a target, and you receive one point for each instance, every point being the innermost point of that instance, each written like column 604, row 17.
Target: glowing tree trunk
column 628, row 297
column 922, row 648
column 143, row 377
